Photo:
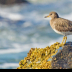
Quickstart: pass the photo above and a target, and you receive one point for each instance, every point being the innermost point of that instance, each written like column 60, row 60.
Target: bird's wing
column 63, row 25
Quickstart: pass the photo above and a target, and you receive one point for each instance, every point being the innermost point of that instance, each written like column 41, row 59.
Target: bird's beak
column 46, row 16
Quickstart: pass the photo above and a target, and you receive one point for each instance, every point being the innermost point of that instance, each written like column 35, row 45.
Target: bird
column 60, row 25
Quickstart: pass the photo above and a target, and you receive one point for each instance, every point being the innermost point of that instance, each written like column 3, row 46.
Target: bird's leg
column 64, row 40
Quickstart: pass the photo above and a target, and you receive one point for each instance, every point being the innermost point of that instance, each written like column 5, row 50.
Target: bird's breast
column 52, row 24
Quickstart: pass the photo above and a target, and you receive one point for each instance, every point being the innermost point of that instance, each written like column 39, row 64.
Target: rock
column 8, row 2
column 63, row 59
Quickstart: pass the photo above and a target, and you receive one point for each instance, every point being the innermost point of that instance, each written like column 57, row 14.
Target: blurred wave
column 9, row 65
column 23, row 27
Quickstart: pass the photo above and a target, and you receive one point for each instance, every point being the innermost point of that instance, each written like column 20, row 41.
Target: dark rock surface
column 8, row 2
column 63, row 60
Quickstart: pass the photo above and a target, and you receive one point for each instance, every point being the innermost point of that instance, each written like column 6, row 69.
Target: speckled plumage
column 60, row 25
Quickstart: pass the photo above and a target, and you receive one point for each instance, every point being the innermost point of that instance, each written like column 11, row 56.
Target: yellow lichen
column 39, row 58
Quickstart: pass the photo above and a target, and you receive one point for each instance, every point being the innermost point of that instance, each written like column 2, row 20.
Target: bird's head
column 52, row 15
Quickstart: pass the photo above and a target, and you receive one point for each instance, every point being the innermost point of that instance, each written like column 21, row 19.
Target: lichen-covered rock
column 49, row 57
column 39, row 58
column 8, row 2
column 63, row 60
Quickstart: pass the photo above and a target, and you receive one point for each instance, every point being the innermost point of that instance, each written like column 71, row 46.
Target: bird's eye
column 50, row 14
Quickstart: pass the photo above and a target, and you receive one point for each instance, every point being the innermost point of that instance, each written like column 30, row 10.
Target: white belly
column 63, row 33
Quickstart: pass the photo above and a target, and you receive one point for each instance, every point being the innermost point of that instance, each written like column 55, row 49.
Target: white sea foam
column 27, row 24
column 12, row 16
column 17, row 49
column 21, row 48
column 8, row 65
column 68, row 16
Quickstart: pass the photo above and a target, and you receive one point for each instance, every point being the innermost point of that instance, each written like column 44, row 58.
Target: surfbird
column 60, row 25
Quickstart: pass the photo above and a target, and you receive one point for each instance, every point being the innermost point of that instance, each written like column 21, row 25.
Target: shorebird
column 60, row 25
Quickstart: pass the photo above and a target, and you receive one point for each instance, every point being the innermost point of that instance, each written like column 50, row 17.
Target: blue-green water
column 23, row 27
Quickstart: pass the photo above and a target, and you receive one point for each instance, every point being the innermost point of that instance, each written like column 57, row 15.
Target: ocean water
column 23, row 27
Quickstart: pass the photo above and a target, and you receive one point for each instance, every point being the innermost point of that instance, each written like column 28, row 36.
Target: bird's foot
column 64, row 40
